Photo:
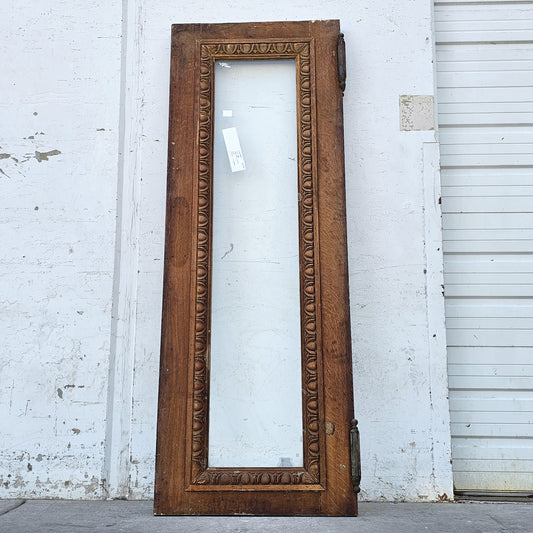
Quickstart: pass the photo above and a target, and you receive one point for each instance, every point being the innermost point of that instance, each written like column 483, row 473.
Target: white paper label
column 227, row 113
column 233, row 148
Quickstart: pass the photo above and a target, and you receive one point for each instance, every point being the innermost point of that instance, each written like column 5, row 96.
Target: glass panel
column 255, row 417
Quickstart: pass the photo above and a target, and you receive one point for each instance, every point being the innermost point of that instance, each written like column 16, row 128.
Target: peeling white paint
column 59, row 84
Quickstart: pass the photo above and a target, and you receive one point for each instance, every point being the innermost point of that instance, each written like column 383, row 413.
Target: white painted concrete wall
column 59, row 126
column 80, row 328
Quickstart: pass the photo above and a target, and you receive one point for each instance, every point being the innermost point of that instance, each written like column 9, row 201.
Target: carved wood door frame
column 185, row 484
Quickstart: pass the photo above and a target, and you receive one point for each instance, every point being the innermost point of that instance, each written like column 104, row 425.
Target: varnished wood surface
column 181, row 439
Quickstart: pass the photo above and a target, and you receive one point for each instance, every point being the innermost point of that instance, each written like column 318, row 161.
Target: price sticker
column 233, row 148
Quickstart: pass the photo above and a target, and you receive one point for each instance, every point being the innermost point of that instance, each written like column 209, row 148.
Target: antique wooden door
column 255, row 399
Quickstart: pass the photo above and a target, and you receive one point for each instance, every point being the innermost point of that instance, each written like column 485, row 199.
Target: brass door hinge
column 355, row 456
column 341, row 62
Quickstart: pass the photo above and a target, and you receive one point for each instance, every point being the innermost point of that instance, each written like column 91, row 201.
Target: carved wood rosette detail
column 310, row 474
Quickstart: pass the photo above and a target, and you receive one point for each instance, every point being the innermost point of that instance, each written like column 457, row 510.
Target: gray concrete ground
column 59, row 516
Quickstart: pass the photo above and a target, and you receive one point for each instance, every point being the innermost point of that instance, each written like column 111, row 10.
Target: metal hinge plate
column 355, row 457
column 341, row 61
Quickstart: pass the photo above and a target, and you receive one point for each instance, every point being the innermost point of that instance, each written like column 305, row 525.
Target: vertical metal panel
column 485, row 78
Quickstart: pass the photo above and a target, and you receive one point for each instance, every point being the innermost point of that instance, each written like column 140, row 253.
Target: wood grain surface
column 184, row 482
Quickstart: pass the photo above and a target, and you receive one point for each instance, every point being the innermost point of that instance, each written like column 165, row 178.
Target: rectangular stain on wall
column 417, row 112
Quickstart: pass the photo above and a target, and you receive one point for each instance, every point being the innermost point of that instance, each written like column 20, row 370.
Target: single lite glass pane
column 255, row 417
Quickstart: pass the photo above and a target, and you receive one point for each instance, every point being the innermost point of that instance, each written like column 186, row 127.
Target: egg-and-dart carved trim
column 310, row 474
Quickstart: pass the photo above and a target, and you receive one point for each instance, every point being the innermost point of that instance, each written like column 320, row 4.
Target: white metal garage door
column 485, row 99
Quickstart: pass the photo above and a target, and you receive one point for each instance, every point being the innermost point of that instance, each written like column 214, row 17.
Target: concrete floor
column 59, row 516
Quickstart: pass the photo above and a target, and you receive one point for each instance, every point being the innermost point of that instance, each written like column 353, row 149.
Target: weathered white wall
column 59, row 119
column 66, row 63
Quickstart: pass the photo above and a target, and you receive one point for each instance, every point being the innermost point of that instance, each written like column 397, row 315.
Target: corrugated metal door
column 485, row 99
